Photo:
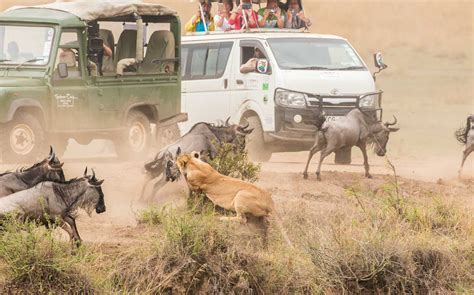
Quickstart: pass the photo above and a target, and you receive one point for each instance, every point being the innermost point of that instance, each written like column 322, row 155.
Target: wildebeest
column 201, row 137
column 49, row 169
column 52, row 201
column 466, row 137
column 358, row 128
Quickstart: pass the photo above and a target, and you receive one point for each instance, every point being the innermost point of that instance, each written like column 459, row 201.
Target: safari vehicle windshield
column 314, row 54
column 23, row 45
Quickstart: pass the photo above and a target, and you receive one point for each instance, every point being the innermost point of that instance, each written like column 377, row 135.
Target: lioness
column 227, row 192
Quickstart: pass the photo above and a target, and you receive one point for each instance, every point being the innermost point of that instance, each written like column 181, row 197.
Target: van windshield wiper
column 28, row 61
column 349, row 68
column 311, row 68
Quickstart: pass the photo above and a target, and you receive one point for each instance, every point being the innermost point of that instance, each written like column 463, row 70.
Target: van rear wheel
column 135, row 142
column 24, row 139
column 257, row 149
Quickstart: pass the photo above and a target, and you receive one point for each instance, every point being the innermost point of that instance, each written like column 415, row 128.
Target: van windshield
column 25, row 45
column 314, row 54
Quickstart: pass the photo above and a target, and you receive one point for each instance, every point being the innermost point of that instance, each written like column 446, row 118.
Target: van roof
column 255, row 33
column 75, row 13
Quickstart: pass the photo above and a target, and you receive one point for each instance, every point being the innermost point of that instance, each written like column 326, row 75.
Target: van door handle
column 240, row 82
column 226, row 83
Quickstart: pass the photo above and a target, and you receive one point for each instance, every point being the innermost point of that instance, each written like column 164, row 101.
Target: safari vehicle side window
column 68, row 57
column 253, row 58
column 205, row 61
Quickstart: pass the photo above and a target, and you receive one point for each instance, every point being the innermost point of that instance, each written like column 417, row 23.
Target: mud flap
column 167, row 131
column 343, row 156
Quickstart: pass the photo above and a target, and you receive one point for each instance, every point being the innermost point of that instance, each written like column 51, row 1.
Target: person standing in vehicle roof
column 196, row 24
column 221, row 19
column 295, row 17
column 271, row 16
column 244, row 14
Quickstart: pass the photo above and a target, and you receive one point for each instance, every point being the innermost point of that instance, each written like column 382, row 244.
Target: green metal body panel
column 99, row 104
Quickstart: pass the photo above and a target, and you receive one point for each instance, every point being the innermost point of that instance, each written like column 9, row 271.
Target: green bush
column 34, row 261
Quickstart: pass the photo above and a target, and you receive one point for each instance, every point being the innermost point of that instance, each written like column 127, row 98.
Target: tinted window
column 207, row 61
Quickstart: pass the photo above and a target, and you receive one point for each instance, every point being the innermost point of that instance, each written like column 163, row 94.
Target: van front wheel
column 135, row 142
column 256, row 147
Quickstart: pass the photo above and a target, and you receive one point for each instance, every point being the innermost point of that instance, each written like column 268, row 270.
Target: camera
column 95, row 49
column 246, row 6
column 272, row 11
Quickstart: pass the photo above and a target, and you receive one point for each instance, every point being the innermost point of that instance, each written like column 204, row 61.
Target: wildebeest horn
column 245, row 127
column 51, row 153
column 93, row 174
column 85, row 172
column 227, row 122
column 394, row 122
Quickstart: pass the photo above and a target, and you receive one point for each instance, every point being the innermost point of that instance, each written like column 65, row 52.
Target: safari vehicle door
column 69, row 97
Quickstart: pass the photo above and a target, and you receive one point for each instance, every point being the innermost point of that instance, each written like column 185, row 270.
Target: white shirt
column 225, row 24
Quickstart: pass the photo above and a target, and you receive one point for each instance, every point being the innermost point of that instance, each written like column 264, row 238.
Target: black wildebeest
column 48, row 169
column 52, row 201
column 466, row 137
column 201, row 137
column 358, row 128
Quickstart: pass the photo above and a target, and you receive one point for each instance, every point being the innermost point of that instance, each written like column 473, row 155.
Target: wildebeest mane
column 24, row 169
column 218, row 130
column 64, row 190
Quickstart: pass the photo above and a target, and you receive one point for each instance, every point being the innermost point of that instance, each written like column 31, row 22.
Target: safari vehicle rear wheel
column 22, row 139
column 134, row 144
column 257, row 149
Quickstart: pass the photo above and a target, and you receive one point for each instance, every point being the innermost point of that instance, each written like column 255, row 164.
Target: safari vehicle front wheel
column 22, row 139
column 134, row 144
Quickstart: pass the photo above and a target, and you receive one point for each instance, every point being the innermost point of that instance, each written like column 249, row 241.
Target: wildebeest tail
column 461, row 133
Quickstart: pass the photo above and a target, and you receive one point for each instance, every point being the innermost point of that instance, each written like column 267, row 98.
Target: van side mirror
column 262, row 66
column 62, row 70
column 378, row 61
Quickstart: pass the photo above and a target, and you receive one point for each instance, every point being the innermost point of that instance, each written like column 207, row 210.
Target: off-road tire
column 23, row 139
column 135, row 142
column 343, row 157
column 257, row 149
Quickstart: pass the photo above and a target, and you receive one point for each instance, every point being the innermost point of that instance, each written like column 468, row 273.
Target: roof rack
column 261, row 30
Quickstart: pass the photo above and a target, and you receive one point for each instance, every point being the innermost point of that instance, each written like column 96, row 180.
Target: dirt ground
column 428, row 46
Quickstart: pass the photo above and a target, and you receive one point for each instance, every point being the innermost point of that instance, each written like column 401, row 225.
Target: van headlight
column 369, row 101
column 290, row 99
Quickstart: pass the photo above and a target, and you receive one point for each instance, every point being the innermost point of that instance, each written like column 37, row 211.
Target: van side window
column 207, row 61
column 253, row 59
column 184, row 60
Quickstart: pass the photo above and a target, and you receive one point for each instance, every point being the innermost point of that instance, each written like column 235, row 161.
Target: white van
column 299, row 74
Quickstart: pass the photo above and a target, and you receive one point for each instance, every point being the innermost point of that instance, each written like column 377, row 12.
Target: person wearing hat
column 196, row 24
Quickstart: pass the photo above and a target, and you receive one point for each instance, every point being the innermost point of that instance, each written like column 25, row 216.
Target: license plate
column 332, row 118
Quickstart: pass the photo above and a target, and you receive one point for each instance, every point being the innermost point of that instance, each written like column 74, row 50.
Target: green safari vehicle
column 88, row 70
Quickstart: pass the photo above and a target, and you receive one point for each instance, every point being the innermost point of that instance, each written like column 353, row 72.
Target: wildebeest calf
column 357, row 128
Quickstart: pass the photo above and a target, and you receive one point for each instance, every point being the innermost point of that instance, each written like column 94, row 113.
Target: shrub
column 35, row 262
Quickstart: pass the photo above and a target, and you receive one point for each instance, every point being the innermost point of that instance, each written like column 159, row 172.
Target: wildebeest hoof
column 318, row 177
column 369, row 176
column 305, row 175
